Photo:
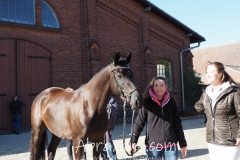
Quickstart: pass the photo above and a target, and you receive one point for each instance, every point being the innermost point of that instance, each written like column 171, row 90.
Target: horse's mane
column 94, row 76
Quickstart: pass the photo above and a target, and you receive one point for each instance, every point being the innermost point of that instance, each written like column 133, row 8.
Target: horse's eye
column 129, row 73
column 119, row 75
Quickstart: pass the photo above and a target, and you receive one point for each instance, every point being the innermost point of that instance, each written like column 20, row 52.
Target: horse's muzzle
column 136, row 100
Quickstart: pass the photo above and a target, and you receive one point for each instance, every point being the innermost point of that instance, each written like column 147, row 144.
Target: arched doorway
column 24, row 71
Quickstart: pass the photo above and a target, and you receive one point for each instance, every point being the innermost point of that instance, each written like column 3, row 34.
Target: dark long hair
column 150, row 85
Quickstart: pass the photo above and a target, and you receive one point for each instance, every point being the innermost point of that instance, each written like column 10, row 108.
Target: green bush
column 192, row 88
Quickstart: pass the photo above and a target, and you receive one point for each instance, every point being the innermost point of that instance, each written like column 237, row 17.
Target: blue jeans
column 69, row 149
column 170, row 153
column 16, row 123
column 110, row 148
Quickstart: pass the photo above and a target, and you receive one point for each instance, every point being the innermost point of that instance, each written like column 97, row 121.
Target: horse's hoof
column 50, row 156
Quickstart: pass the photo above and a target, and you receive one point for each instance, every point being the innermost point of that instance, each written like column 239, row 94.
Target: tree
column 192, row 88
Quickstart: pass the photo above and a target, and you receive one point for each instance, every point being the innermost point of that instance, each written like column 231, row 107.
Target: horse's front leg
column 97, row 149
column 79, row 149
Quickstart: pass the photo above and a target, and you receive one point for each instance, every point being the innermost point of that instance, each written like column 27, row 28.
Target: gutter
column 181, row 65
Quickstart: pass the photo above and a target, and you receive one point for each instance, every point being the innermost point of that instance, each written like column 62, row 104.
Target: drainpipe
column 181, row 64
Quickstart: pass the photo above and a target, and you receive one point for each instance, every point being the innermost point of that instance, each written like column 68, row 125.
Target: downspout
column 181, row 64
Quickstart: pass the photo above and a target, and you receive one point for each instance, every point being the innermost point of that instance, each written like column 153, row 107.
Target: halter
column 126, row 95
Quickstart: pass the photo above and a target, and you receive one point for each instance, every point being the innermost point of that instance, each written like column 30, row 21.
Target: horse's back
column 51, row 108
column 48, row 94
column 47, row 97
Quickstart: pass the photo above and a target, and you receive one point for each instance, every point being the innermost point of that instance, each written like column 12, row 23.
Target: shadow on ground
column 135, row 158
column 193, row 123
column 195, row 152
column 15, row 144
column 190, row 154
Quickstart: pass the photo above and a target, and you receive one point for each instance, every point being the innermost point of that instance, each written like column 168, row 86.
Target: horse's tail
column 31, row 147
column 42, row 145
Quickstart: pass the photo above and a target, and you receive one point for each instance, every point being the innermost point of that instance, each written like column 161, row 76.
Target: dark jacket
column 223, row 119
column 112, row 108
column 163, row 124
column 16, row 107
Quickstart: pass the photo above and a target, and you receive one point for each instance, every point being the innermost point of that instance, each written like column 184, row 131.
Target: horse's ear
column 116, row 57
column 128, row 58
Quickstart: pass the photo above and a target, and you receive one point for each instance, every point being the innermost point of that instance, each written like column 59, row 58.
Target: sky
column 218, row 21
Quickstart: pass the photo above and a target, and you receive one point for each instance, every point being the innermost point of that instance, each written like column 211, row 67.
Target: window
column 49, row 18
column 18, row 11
column 164, row 69
column 23, row 11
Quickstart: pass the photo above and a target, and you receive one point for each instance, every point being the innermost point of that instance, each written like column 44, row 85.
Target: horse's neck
column 100, row 82
column 98, row 87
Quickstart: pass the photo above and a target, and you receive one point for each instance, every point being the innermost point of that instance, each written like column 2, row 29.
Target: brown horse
column 81, row 115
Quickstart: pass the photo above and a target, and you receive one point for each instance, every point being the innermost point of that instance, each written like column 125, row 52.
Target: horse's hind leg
column 37, row 142
column 53, row 147
column 97, row 150
column 79, row 149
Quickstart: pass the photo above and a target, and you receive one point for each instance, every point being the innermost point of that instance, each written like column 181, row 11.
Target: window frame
column 18, row 17
column 53, row 14
column 166, row 69
column 37, row 22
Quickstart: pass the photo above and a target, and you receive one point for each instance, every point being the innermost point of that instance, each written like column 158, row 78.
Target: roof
column 195, row 36
column 228, row 54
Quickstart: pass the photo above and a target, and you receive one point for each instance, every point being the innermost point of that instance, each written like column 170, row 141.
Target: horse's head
column 122, row 81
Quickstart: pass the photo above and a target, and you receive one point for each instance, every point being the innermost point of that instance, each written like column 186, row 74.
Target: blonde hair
column 150, row 85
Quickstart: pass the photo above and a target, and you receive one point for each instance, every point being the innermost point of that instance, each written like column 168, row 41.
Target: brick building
column 64, row 43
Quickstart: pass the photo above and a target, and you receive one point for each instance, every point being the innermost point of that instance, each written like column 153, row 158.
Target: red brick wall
column 91, row 31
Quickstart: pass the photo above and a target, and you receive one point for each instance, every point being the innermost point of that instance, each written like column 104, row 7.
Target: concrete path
column 16, row 147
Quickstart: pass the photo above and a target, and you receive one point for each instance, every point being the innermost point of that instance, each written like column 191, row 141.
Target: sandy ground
column 16, row 147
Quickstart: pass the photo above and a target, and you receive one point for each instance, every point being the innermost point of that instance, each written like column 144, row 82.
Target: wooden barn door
column 30, row 76
column 33, row 76
column 7, row 83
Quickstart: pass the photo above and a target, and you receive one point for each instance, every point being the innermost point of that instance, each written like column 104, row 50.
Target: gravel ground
column 16, row 147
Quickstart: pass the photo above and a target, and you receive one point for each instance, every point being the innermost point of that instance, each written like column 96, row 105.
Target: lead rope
column 124, row 130
column 124, row 127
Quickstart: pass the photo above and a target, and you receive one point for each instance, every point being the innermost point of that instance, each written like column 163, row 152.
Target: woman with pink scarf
column 164, row 127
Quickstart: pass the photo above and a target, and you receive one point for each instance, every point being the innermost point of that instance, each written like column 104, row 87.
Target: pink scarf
column 166, row 97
